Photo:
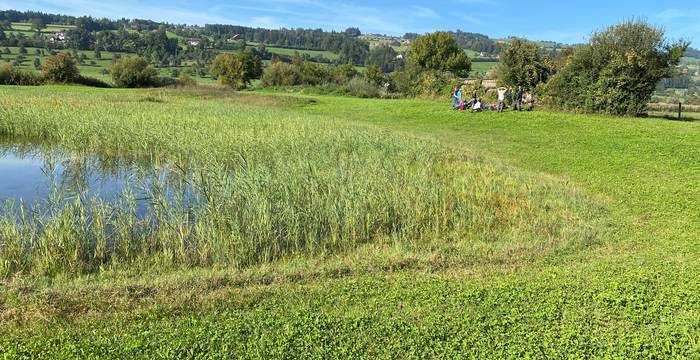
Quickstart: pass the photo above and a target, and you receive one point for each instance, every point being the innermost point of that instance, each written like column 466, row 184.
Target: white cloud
column 424, row 12
column 674, row 14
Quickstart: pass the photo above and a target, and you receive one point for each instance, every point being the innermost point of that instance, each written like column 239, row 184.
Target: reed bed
column 270, row 184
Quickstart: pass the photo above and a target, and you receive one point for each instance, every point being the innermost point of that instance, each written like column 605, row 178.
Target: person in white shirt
column 477, row 106
column 501, row 98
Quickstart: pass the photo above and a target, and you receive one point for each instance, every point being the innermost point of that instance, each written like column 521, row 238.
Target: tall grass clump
column 271, row 184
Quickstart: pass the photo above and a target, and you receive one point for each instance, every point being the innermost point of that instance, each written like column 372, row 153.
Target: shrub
column 423, row 83
column 281, row 74
column 132, row 72
column 522, row 65
column 237, row 70
column 375, row 75
column 88, row 81
column 341, row 74
column 185, row 80
column 60, row 68
column 9, row 75
column 312, row 73
column 360, row 87
column 617, row 71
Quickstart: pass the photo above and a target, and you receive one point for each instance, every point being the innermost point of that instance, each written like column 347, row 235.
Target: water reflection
column 37, row 174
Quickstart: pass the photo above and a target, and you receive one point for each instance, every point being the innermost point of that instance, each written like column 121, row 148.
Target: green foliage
column 362, row 88
column 38, row 24
column 374, row 75
column 385, row 57
column 185, row 80
column 10, row 75
column 60, row 68
column 237, row 70
column 617, row 71
column 133, row 72
column 522, row 64
column 423, row 83
column 281, row 74
column 341, row 74
column 439, row 52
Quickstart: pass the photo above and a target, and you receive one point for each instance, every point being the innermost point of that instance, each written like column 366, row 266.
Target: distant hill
column 693, row 53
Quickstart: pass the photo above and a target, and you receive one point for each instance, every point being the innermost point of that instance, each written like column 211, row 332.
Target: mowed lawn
column 631, row 292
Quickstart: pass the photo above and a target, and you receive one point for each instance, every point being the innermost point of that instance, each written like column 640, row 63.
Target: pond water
column 36, row 173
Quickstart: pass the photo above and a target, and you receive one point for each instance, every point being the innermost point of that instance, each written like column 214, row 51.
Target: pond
column 38, row 174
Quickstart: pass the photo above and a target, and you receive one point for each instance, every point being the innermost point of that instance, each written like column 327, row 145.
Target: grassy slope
column 87, row 69
column 633, row 295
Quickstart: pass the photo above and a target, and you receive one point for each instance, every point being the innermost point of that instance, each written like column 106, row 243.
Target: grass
column 483, row 67
column 50, row 28
column 88, row 69
column 589, row 249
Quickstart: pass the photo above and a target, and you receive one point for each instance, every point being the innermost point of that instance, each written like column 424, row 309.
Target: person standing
column 501, row 98
column 510, row 97
column 456, row 97
column 519, row 99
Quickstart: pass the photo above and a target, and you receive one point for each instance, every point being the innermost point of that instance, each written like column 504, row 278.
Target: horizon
column 391, row 18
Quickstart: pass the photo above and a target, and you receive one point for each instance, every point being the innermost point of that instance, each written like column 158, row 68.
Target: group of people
column 517, row 99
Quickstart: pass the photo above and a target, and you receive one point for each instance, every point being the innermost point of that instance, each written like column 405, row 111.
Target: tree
column 133, row 72
column 238, row 69
column 60, row 68
column 353, row 32
column 523, row 65
column 385, row 57
column 38, row 24
column 439, row 51
column 374, row 75
column 617, row 71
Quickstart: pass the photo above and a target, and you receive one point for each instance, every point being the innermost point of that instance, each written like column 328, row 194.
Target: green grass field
column 89, row 69
column 366, row 229
column 482, row 67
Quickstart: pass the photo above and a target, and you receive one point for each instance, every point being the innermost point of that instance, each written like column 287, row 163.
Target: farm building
column 192, row 41
column 57, row 37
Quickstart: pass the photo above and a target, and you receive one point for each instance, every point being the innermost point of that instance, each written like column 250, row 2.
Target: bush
column 375, row 75
column 132, row 72
column 9, row 75
column 60, row 68
column 312, row 73
column 237, row 70
column 360, row 87
column 281, row 74
column 185, row 80
column 522, row 65
column 341, row 74
column 425, row 83
column 88, row 81
column 617, row 72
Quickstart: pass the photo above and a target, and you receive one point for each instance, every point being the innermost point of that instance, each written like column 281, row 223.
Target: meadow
column 341, row 227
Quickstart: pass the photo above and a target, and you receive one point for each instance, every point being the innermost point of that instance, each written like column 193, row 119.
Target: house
column 57, row 37
column 192, row 41
column 235, row 37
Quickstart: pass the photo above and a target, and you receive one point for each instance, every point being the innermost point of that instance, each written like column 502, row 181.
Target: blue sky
column 564, row 21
